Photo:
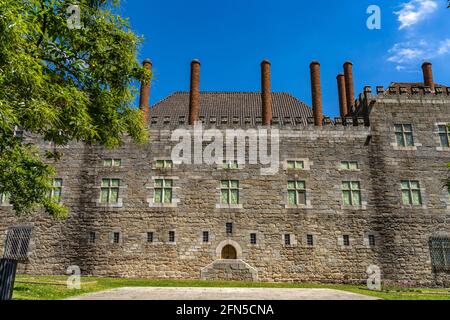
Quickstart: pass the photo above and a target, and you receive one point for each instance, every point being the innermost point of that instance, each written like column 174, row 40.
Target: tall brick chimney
column 316, row 91
column 144, row 98
column 342, row 95
column 349, row 86
column 266, row 96
column 194, row 96
column 427, row 69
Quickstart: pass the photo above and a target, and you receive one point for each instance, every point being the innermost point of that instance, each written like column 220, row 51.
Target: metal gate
column 16, row 250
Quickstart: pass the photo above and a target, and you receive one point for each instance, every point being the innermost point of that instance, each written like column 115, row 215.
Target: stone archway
column 229, row 252
column 233, row 246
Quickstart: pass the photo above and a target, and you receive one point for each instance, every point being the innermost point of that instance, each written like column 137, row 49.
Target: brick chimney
column 427, row 69
column 316, row 91
column 349, row 86
column 342, row 95
column 266, row 96
column 194, row 96
column 144, row 98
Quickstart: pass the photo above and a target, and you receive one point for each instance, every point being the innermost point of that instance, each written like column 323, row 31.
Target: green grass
column 54, row 288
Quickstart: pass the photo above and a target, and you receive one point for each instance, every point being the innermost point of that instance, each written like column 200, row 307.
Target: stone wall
column 401, row 249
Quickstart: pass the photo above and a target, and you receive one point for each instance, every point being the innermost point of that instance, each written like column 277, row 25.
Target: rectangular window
column 164, row 164
column 287, row 239
column 310, row 239
column 116, row 237
column 229, row 228
column 444, row 136
column 404, row 135
column 296, row 193
column 252, row 238
column 150, row 237
column 440, row 254
column 229, row 192
column 371, row 240
column 4, row 198
column 411, row 195
column 56, row 191
column 351, row 193
column 230, row 164
column 171, row 236
column 112, row 163
column 92, row 237
column 205, row 236
column 110, row 191
column 349, row 165
column 346, row 240
column 295, row 165
column 163, row 190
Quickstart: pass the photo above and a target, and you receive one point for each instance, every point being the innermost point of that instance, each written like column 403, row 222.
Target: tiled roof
column 234, row 108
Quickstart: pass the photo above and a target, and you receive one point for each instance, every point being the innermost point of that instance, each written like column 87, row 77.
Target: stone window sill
column 443, row 149
column 400, row 148
column 422, row 207
column 359, row 208
column 112, row 206
column 300, row 206
column 163, row 205
column 229, row 206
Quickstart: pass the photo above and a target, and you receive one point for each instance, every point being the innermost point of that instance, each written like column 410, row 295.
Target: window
column 297, row 165
column 56, row 190
column 110, row 191
column 371, row 240
column 411, row 195
column 310, row 240
column 171, row 236
column 252, row 238
column 4, row 198
column 229, row 227
column 404, row 135
column 346, row 240
column 230, row 164
column 150, row 237
column 351, row 193
column 287, row 239
column 116, row 237
column 296, row 193
column 205, row 236
column 92, row 237
column 164, row 164
column 229, row 192
column 163, row 190
column 112, row 163
column 349, row 165
column 444, row 136
column 440, row 253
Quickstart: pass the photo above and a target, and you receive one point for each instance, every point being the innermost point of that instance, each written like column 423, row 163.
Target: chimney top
column 348, row 62
column 147, row 60
column 195, row 61
column 265, row 61
column 315, row 62
column 340, row 75
column 426, row 62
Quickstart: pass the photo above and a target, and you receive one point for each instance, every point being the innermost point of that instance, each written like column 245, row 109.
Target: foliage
column 63, row 84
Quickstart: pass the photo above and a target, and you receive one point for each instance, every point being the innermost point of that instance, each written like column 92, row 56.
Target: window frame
column 253, row 238
column 445, row 133
column 110, row 188
column 287, row 239
column 229, row 192
column 116, row 237
column 346, row 240
column 442, row 245
column 229, row 228
column 55, row 193
column 163, row 164
column 298, row 191
column 172, row 236
column 205, row 236
column 410, row 190
column 163, row 188
column 310, row 240
column 351, row 191
column 346, row 165
column 402, row 134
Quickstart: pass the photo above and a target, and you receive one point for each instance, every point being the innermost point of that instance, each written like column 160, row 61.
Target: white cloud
column 415, row 11
column 410, row 53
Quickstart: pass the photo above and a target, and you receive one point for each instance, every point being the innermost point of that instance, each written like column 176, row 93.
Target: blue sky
column 232, row 37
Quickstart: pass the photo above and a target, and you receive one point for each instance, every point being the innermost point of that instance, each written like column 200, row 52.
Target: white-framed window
column 351, row 193
column 110, row 191
column 163, row 191
column 56, row 190
column 411, row 193
column 229, row 192
column 404, row 135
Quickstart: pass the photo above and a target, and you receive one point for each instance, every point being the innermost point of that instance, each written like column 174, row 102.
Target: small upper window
column 310, row 239
column 230, row 164
column 346, row 240
column 371, row 240
column 171, row 236
column 287, row 239
column 294, row 164
column 252, row 238
column 349, row 165
column 150, row 237
column 229, row 227
column 116, row 237
column 404, row 135
column 112, row 163
column 411, row 195
column 205, row 236
column 164, row 164
column 92, row 237
column 444, row 136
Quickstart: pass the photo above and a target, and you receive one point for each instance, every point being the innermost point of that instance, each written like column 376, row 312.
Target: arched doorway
column 229, row 252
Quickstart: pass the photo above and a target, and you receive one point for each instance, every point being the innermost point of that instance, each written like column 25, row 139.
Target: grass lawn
column 54, row 288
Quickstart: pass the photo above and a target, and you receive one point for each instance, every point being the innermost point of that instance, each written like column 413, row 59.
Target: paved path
column 222, row 294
